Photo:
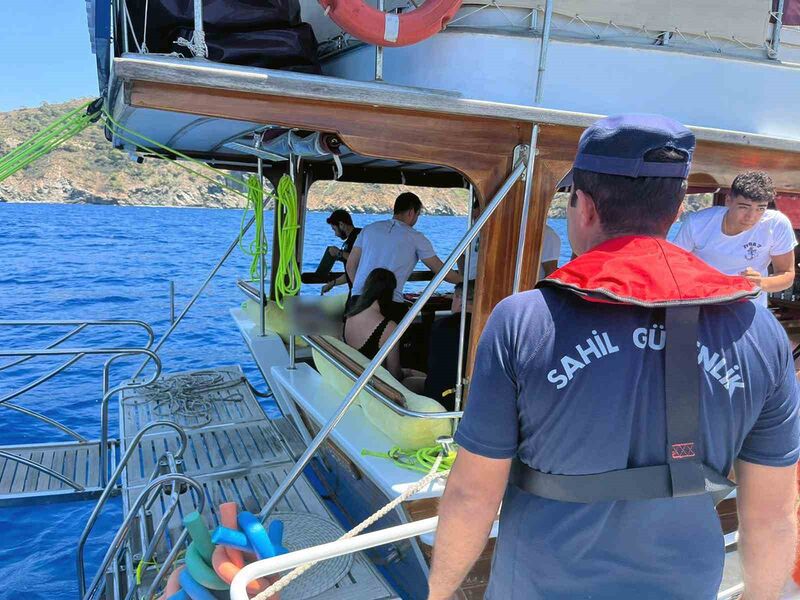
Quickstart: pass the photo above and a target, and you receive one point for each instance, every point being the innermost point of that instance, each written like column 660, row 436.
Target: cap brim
column 565, row 184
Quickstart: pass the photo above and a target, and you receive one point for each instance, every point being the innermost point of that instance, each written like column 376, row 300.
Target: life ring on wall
column 373, row 26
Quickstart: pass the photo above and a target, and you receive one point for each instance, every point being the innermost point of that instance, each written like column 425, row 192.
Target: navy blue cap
column 617, row 146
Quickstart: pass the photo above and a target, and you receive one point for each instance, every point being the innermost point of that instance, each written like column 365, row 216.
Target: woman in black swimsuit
column 367, row 327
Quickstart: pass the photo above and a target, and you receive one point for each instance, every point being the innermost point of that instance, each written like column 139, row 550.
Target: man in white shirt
column 744, row 237
column 394, row 244
column 551, row 250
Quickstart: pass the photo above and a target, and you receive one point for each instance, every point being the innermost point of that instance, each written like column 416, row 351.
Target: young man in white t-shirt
column 744, row 237
column 394, row 244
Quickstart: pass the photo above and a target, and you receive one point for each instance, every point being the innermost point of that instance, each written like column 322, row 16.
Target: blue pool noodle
column 232, row 538
column 256, row 535
column 275, row 533
column 194, row 590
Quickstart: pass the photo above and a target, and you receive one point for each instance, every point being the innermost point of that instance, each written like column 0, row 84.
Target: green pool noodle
column 199, row 534
column 201, row 571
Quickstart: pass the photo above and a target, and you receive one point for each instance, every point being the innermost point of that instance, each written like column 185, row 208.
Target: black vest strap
column 684, row 474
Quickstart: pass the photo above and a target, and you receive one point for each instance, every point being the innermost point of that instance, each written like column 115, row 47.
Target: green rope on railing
column 255, row 202
column 287, row 279
column 421, row 459
column 49, row 138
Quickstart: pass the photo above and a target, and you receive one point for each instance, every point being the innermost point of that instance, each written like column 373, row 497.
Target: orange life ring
column 389, row 29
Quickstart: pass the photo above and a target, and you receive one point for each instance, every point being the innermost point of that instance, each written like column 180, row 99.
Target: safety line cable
column 49, row 138
column 116, row 128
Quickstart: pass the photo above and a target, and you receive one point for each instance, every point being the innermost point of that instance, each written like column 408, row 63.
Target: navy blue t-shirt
column 575, row 387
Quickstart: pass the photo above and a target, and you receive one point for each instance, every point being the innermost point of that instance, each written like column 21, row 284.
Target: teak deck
column 239, row 456
column 21, row 484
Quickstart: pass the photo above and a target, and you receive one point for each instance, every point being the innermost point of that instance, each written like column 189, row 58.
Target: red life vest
column 649, row 272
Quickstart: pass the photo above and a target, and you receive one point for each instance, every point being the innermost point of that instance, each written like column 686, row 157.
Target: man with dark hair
column 342, row 225
column 744, row 236
column 394, row 244
column 407, row 201
column 607, row 406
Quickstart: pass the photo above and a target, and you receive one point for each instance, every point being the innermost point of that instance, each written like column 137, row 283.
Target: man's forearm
column 454, row 277
column 777, row 283
column 464, row 527
column 767, row 553
column 350, row 267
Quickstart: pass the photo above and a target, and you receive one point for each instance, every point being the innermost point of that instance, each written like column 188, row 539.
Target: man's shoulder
column 749, row 325
column 382, row 224
column 776, row 218
column 376, row 227
column 524, row 310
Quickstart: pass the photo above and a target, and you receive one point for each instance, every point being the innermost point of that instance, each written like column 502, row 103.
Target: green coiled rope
column 421, row 460
column 287, row 279
column 255, row 202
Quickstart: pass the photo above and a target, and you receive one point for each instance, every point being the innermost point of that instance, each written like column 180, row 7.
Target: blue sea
column 109, row 262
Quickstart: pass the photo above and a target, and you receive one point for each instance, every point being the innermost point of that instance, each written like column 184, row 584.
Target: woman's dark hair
column 380, row 285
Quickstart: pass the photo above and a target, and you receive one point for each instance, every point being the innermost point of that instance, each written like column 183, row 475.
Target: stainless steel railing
column 112, row 482
column 148, row 495
column 78, row 326
column 115, row 353
column 393, row 339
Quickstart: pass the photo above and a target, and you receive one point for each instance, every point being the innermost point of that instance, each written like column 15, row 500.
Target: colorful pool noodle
column 227, row 570
column 227, row 561
column 256, row 535
column 201, row 571
column 275, row 533
column 231, row 538
column 173, row 586
column 228, row 512
column 200, row 536
column 193, row 589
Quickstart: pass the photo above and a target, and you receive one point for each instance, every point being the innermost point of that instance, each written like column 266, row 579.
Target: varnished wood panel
column 478, row 147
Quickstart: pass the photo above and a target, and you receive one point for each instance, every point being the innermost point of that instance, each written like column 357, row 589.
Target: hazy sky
column 45, row 54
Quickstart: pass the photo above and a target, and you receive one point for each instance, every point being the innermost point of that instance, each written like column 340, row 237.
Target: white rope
column 197, row 45
column 432, row 476
column 131, row 29
column 144, row 33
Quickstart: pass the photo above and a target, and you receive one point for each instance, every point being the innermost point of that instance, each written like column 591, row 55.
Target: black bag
column 165, row 16
column 290, row 49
